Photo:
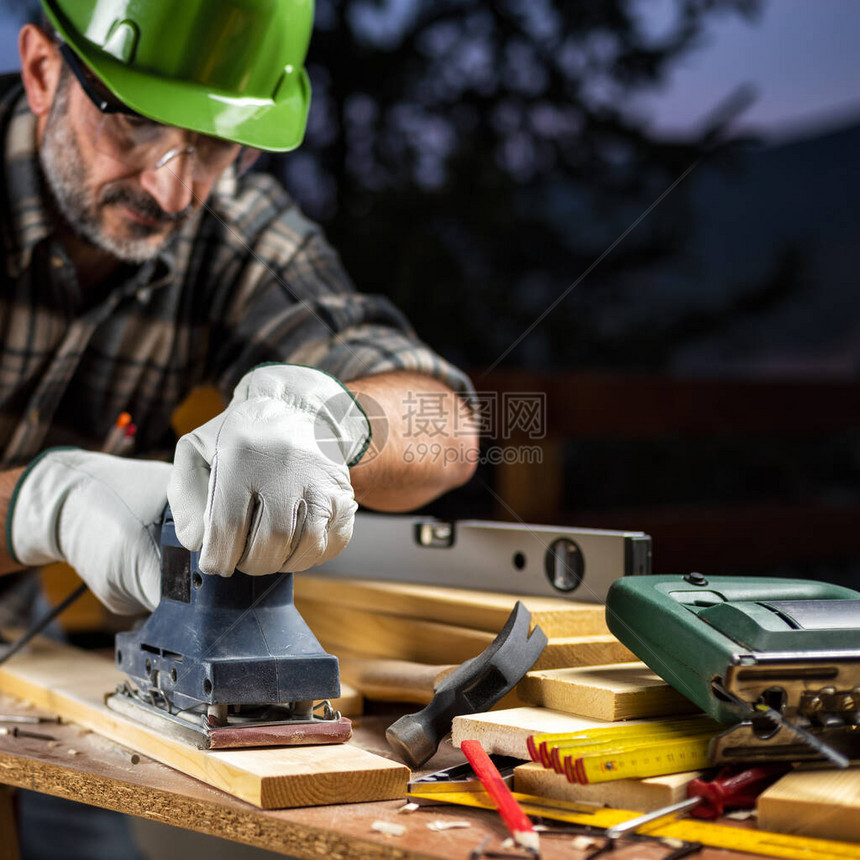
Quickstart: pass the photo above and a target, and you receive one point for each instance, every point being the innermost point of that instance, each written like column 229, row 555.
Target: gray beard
column 67, row 176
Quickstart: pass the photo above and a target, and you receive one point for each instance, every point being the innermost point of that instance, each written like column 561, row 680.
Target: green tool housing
column 735, row 644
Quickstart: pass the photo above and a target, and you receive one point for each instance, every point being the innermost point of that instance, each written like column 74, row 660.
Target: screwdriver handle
column 734, row 787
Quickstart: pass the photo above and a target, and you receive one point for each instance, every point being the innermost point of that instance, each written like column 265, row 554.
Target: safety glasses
column 143, row 144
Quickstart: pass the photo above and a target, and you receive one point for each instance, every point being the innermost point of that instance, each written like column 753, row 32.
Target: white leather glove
column 98, row 513
column 264, row 486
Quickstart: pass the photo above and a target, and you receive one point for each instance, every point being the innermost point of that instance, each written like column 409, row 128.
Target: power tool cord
column 41, row 624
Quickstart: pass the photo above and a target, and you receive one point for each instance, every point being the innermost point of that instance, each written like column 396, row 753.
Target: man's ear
column 41, row 65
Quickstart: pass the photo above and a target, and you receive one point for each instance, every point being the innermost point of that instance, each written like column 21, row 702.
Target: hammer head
column 471, row 688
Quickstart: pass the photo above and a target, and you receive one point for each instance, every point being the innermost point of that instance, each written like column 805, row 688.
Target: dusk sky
column 801, row 55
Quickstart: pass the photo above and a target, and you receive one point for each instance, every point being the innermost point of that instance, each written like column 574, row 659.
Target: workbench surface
column 102, row 773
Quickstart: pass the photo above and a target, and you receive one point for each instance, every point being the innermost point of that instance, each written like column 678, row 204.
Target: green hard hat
column 232, row 69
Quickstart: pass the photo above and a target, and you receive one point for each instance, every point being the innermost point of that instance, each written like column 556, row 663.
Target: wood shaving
column 72, row 752
column 669, row 842
column 583, row 843
column 741, row 814
column 442, row 824
column 388, row 828
column 408, row 807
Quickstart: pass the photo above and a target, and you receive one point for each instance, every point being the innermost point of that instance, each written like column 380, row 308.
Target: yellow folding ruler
column 627, row 751
column 761, row 842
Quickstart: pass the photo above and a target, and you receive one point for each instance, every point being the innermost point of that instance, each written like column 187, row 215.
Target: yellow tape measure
column 542, row 747
column 627, row 752
column 714, row 835
column 637, row 762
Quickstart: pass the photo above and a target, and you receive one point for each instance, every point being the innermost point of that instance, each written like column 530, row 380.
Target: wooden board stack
column 506, row 732
column 397, row 641
column 475, row 610
column 814, row 802
column 444, row 626
column 616, row 692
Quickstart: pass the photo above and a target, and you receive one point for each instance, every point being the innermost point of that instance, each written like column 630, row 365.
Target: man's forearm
column 8, row 480
column 423, row 445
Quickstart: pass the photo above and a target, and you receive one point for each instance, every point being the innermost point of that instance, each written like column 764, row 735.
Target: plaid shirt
column 249, row 279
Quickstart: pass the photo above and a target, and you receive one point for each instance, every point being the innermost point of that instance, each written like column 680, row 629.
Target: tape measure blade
column 627, row 733
column 655, row 759
column 761, row 842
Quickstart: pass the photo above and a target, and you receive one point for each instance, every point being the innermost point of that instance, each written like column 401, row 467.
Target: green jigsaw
column 777, row 658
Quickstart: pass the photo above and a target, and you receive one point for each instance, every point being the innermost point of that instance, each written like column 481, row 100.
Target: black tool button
column 696, row 578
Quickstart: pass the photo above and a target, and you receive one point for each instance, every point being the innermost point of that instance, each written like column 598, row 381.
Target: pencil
column 117, row 433
column 515, row 819
column 127, row 442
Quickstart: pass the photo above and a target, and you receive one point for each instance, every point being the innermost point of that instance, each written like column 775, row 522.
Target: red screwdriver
column 734, row 787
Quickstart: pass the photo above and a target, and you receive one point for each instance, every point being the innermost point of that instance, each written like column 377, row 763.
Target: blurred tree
column 472, row 160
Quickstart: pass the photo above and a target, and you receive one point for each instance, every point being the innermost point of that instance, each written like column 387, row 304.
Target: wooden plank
column 350, row 702
column 619, row 691
column 572, row 651
column 642, row 794
column 822, row 803
column 72, row 683
column 392, row 680
column 506, row 732
column 342, row 629
column 402, row 681
column 478, row 610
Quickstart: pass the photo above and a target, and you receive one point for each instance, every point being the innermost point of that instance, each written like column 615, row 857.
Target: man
column 139, row 261
column 144, row 266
